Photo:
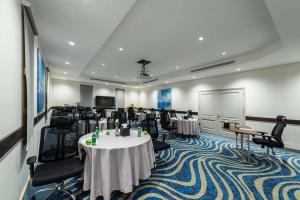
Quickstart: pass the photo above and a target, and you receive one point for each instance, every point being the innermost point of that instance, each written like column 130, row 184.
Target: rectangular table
column 243, row 131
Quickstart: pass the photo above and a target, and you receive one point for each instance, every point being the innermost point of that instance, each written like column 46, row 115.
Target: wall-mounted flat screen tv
column 105, row 102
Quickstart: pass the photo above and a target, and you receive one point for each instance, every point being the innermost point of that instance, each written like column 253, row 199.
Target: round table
column 140, row 116
column 116, row 162
column 187, row 126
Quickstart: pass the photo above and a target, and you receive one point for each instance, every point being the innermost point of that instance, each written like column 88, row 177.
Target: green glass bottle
column 97, row 132
column 94, row 139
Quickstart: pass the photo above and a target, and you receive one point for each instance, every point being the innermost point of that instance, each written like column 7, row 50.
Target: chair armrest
column 262, row 132
column 31, row 161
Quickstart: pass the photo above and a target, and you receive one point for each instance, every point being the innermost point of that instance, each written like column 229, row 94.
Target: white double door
column 217, row 106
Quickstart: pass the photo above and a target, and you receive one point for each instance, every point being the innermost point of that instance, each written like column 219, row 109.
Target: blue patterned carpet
column 208, row 167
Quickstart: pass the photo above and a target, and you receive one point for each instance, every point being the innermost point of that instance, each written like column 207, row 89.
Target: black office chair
column 120, row 110
column 166, row 122
column 131, row 114
column 140, row 110
column 275, row 139
column 114, row 114
column 110, row 123
column 103, row 114
column 58, row 157
column 172, row 113
column 123, row 117
column 150, row 116
column 63, row 122
column 157, row 145
column 189, row 114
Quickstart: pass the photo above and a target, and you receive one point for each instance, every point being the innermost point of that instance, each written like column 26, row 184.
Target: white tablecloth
column 187, row 126
column 116, row 163
column 140, row 116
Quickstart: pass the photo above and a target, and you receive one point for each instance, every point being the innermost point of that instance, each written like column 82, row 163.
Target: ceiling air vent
column 109, row 81
column 213, row 66
column 150, row 81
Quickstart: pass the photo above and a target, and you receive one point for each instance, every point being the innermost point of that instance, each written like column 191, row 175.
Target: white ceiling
column 254, row 33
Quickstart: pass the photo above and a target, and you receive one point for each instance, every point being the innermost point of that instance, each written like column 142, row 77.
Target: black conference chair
column 189, row 114
column 58, row 160
column 131, row 114
column 123, row 117
column 121, row 110
column 63, row 122
column 166, row 122
column 103, row 114
column 172, row 113
column 113, row 114
column 110, row 123
column 275, row 139
column 140, row 110
column 150, row 116
column 157, row 145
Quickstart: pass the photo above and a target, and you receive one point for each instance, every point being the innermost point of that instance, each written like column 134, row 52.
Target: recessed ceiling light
column 65, row 72
column 201, row 38
column 177, row 67
column 67, row 62
column 167, row 82
column 224, row 53
column 194, row 77
column 103, row 64
column 121, row 49
column 93, row 72
column 238, row 69
column 71, row 43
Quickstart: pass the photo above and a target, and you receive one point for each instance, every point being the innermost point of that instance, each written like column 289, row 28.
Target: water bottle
column 94, row 139
column 97, row 132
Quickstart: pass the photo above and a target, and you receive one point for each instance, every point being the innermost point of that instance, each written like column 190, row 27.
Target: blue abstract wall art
column 164, row 98
column 41, row 70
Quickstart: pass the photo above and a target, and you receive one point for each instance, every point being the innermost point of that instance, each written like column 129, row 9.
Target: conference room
column 149, row 99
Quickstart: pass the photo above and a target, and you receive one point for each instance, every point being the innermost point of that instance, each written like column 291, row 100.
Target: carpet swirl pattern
column 209, row 167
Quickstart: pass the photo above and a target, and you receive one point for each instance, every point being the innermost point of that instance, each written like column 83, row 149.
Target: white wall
column 268, row 92
column 68, row 92
column 10, row 87
column 14, row 173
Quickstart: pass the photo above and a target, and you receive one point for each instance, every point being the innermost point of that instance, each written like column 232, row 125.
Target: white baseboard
column 24, row 188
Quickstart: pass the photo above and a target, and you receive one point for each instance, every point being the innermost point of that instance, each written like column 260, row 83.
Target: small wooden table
column 243, row 131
